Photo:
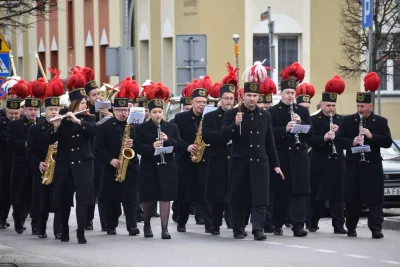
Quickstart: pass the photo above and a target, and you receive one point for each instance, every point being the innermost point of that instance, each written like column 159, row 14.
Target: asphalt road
column 195, row 248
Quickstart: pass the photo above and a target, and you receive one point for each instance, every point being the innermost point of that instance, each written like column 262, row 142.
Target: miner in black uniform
column 292, row 192
column 21, row 174
column 217, row 171
column 37, row 149
column 191, row 175
column 327, row 162
column 364, row 182
column 253, row 154
column 109, row 139
column 6, row 155
column 74, row 163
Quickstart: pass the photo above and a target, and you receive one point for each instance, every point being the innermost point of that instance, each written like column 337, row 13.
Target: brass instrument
column 361, row 126
column 201, row 146
column 47, row 176
column 334, row 152
column 162, row 142
column 125, row 154
column 296, row 135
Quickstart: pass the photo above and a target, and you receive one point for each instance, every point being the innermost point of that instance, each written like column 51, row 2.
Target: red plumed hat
column 145, row 88
column 294, row 70
column 268, row 87
column 21, row 89
column 194, row 84
column 88, row 73
column 241, row 93
column 76, row 80
column 231, row 77
column 55, row 87
column 305, row 89
column 205, row 83
column 257, row 73
column 158, row 91
column 214, row 92
column 371, row 82
column 126, row 89
column 187, row 90
column 38, row 88
column 335, row 85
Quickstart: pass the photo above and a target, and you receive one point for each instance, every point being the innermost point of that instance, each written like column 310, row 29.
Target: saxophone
column 125, row 154
column 201, row 146
column 47, row 176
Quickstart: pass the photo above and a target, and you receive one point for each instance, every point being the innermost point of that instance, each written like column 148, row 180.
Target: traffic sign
column 367, row 12
column 4, row 64
column 3, row 45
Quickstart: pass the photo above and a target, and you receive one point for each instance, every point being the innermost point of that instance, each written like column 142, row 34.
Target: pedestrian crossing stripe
column 3, row 67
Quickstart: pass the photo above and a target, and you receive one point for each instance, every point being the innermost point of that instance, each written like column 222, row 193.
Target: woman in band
column 158, row 174
column 74, row 163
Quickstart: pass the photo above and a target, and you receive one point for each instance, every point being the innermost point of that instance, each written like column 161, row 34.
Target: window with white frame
column 390, row 66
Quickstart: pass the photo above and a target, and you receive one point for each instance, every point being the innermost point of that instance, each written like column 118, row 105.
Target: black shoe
column 175, row 217
column 259, row 235
column 34, row 231
column 139, row 217
column 134, row 231
column 7, row 224
column 228, row 225
column 164, row 232
column 215, row 230
column 3, row 225
column 104, row 229
column 278, row 231
column 313, row 228
column 199, row 220
column 299, row 233
column 377, row 235
column 44, row 235
column 89, row 226
column 155, row 215
column 239, row 236
column 181, row 228
column 339, row 230
column 352, row 233
column 288, row 225
column 209, row 229
column 18, row 226
column 111, row 231
column 57, row 236
column 80, row 234
column 147, row 230
column 65, row 234
column 269, row 229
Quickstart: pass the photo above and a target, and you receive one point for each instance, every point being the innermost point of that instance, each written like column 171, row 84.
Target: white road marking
column 391, row 262
column 5, row 247
column 273, row 243
column 357, row 256
column 325, row 250
column 294, row 246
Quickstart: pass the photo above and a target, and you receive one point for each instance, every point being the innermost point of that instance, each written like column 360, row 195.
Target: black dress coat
column 218, row 166
column 108, row 143
column 327, row 171
column 191, row 176
column 253, row 154
column 37, row 145
column 295, row 163
column 6, row 155
column 364, row 180
column 74, row 159
column 157, row 182
column 21, row 174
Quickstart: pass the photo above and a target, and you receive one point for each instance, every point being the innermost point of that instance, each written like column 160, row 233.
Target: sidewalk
column 392, row 223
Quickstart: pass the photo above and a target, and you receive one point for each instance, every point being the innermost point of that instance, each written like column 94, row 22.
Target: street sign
column 3, row 45
column 367, row 12
column 4, row 64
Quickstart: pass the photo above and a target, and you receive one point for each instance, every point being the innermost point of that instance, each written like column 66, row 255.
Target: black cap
column 143, row 102
column 52, row 102
column 226, row 88
column 199, row 92
column 13, row 103
column 290, row 83
column 364, row 97
column 90, row 86
column 268, row 99
column 155, row 103
column 120, row 102
column 31, row 102
column 186, row 100
column 212, row 102
column 250, row 87
column 77, row 94
column 329, row 97
column 303, row 99
column 261, row 99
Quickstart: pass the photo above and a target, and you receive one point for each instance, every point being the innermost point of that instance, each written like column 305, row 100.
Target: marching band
column 243, row 159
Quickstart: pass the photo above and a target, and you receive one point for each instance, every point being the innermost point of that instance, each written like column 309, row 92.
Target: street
column 195, row 248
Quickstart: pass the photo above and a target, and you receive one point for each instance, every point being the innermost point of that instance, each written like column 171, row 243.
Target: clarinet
column 360, row 128
column 334, row 152
column 162, row 142
column 296, row 136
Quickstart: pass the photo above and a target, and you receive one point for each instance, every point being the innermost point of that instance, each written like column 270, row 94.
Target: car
column 391, row 175
column 397, row 142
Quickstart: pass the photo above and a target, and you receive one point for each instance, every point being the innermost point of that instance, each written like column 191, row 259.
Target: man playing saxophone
column 37, row 148
column 327, row 161
column 113, row 145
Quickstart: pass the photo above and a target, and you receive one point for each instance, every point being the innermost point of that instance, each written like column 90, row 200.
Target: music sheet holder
column 360, row 149
column 299, row 128
column 163, row 150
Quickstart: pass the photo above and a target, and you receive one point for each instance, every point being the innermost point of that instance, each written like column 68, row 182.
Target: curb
column 391, row 223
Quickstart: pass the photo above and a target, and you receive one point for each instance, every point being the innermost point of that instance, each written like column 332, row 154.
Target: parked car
column 391, row 176
column 397, row 142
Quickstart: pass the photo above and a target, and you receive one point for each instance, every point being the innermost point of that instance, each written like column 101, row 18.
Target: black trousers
column 217, row 213
column 227, row 213
column 42, row 222
column 19, row 215
column 239, row 220
column 297, row 206
column 102, row 207
column 114, row 211
column 336, row 208
column 201, row 209
column 4, row 210
column 375, row 216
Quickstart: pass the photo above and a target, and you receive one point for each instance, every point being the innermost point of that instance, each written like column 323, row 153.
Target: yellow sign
column 3, row 45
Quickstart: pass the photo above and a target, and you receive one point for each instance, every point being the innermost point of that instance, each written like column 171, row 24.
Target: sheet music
column 299, row 128
column 360, row 149
column 104, row 104
column 163, row 150
column 136, row 117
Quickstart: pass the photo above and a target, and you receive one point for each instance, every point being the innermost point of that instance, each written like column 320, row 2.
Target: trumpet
column 361, row 126
column 63, row 116
column 296, row 135
column 162, row 141
column 334, row 152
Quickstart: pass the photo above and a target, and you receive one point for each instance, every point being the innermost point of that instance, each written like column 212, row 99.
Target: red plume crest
column 205, row 83
column 39, row 88
column 268, row 87
column 21, row 89
column 371, row 82
column 305, row 89
column 76, row 80
column 158, row 91
column 187, row 90
column 88, row 73
column 335, row 85
column 231, row 77
column 214, row 92
column 55, row 87
column 293, row 70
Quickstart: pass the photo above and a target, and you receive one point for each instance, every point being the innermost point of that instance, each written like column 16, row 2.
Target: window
column 288, row 51
column 261, row 48
column 382, row 77
column 396, row 75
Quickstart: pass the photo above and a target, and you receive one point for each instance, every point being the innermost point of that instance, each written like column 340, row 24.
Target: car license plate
column 394, row 191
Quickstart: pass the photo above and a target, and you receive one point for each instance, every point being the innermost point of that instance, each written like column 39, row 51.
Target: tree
column 354, row 39
column 12, row 13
